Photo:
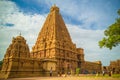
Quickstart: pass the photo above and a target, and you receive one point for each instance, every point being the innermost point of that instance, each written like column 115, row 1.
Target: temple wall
column 91, row 67
column 114, row 66
column 17, row 67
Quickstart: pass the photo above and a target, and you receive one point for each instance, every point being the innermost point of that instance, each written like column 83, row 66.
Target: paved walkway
column 66, row 78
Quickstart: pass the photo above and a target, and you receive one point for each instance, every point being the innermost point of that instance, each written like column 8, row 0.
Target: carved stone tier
column 18, row 48
column 55, row 42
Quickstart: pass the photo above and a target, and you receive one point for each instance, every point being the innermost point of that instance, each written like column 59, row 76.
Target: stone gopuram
column 54, row 42
column 53, row 50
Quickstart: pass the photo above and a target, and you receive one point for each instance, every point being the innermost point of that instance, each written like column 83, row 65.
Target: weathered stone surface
column 114, row 66
column 17, row 61
column 92, row 67
column 54, row 42
column 53, row 49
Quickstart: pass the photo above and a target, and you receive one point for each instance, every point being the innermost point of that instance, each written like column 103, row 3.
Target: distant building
column 53, row 49
column 92, row 67
column 114, row 66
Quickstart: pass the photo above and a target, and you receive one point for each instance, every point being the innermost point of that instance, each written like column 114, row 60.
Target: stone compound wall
column 92, row 67
column 114, row 66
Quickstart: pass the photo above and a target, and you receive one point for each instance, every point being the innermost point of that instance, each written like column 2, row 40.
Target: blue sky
column 73, row 10
column 86, row 21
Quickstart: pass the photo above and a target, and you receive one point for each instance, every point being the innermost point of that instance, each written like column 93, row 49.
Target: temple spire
column 54, row 5
column 54, row 8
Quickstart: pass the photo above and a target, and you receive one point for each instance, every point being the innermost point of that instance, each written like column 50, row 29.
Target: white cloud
column 28, row 25
column 89, row 13
column 88, row 40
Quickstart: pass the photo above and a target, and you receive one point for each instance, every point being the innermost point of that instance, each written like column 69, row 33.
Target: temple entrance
column 113, row 70
column 63, row 70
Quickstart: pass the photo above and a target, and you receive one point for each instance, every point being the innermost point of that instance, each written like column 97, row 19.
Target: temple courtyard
column 80, row 77
column 66, row 78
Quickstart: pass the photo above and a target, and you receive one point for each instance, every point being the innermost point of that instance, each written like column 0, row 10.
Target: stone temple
column 53, row 49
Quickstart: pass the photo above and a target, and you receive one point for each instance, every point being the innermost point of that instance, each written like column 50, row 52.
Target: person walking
column 110, row 73
column 103, row 73
column 51, row 72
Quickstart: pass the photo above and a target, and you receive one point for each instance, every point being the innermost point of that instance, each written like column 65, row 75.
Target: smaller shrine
column 17, row 61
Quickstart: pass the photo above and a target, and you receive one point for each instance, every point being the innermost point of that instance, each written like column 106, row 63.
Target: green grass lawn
column 116, row 75
column 106, row 75
column 100, row 75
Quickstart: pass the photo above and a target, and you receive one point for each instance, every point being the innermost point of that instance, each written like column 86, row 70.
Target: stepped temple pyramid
column 53, row 51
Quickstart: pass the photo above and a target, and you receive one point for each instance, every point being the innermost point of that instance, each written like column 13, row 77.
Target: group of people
column 59, row 73
column 103, row 73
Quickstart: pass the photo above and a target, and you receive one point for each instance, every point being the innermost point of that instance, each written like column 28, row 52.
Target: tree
column 112, row 35
column 1, row 62
column 77, row 71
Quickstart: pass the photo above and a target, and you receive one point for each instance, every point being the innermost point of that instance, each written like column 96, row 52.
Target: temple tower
column 54, row 42
column 17, row 61
column 13, row 60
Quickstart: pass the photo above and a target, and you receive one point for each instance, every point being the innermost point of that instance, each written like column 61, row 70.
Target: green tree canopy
column 1, row 62
column 112, row 35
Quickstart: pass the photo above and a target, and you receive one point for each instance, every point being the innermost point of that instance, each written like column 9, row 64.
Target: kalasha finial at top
column 20, row 34
column 54, row 5
column 54, row 8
